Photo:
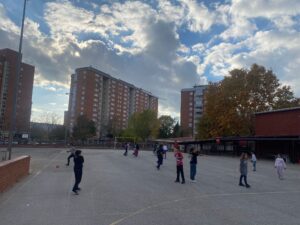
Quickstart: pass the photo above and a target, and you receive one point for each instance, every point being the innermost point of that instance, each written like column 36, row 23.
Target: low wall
column 11, row 171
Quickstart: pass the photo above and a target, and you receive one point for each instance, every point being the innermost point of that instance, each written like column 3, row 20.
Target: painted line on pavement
column 198, row 197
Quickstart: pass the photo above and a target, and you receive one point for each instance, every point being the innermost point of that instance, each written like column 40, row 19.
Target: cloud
column 144, row 46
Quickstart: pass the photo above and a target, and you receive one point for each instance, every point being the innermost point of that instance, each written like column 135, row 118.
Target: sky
column 161, row 46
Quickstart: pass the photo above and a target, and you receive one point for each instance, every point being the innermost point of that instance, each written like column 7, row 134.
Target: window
column 190, row 125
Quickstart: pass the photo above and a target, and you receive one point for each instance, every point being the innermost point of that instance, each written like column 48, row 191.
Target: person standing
column 244, row 169
column 126, row 149
column 253, row 160
column 159, row 153
column 78, row 164
column 136, row 150
column 193, row 164
column 165, row 148
column 280, row 166
column 179, row 166
column 72, row 154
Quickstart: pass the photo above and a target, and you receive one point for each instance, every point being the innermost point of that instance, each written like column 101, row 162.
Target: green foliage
column 166, row 128
column 84, row 128
column 231, row 103
column 142, row 126
column 176, row 130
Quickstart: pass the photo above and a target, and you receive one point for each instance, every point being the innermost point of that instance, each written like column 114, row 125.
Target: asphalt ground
column 131, row 191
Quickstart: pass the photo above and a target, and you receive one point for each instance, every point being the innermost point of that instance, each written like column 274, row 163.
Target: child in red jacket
column 179, row 165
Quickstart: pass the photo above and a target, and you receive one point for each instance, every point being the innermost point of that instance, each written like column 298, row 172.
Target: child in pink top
column 179, row 166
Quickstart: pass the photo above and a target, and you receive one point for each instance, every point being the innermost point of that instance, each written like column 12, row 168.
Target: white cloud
column 265, row 8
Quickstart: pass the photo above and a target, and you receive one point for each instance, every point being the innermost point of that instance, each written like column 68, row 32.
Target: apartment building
column 8, row 67
column 191, row 109
column 107, row 101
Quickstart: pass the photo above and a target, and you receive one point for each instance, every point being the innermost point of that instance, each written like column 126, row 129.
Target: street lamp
column 12, row 126
column 67, row 122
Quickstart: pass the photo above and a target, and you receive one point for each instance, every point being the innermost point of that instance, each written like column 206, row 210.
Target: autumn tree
column 84, row 128
column 231, row 103
column 142, row 125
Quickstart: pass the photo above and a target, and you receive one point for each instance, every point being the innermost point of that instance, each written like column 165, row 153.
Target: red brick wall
column 12, row 171
column 283, row 123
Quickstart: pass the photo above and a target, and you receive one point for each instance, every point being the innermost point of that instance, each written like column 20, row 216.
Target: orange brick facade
column 107, row 101
column 8, row 67
column 11, row 171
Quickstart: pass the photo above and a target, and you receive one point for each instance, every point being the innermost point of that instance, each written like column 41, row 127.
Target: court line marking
column 199, row 197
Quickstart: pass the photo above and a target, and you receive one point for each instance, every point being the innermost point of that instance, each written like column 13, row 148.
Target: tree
column 84, row 128
column 166, row 126
column 142, row 126
column 176, row 130
column 231, row 103
column 58, row 133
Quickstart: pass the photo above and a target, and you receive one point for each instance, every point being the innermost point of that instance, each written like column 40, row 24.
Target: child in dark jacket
column 159, row 153
column 193, row 164
column 78, row 164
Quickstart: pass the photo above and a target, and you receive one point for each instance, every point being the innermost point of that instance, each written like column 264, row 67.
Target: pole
column 12, row 126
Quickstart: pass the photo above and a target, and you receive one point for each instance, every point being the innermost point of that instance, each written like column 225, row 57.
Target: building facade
column 283, row 122
column 191, row 110
column 8, row 67
column 108, row 101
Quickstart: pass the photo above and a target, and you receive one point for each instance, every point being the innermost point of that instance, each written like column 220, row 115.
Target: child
column 193, row 164
column 126, row 149
column 165, row 148
column 244, row 169
column 280, row 166
column 136, row 150
column 179, row 166
column 159, row 154
column 253, row 160
column 78, row 164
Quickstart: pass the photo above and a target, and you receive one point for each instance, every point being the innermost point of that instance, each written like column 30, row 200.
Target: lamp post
column 12, row 126
column 67, row 122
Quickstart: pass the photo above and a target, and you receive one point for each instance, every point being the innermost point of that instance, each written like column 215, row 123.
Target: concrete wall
column 11, row 171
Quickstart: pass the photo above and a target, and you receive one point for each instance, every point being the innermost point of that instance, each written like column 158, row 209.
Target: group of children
column 136, row 149
column 179, row 161
column 279, row 165
column 160, row 152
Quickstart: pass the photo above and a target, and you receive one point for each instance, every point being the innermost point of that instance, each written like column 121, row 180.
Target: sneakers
column 193, row 181
column 75, row 192
column 183, row 182
column 240, row 184
column 176, row 181
column 248, row 186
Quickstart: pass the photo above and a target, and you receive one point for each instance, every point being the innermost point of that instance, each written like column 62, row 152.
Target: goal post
column 123, row 139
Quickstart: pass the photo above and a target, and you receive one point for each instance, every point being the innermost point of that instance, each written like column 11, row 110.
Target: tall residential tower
column 8, row 67
column 107, row 101
column 192, row 102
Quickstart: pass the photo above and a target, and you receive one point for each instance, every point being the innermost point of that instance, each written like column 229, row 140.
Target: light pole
column 12, row 126
column 67, row 122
